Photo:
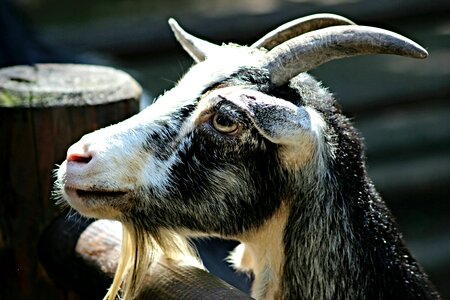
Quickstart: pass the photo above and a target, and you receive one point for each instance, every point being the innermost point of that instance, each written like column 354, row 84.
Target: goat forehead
column 215, row 69
column 168, row 108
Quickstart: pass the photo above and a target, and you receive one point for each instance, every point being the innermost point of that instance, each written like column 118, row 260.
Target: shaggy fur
column 290, row 183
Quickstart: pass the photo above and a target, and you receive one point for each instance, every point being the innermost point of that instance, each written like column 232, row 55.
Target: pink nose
column 79, row 153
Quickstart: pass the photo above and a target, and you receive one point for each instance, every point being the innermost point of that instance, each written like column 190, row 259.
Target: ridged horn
column 312, row 49
column 197, row 48
column 299, row 26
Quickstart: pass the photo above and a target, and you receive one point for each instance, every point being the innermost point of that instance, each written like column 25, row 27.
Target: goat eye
column 224, row 124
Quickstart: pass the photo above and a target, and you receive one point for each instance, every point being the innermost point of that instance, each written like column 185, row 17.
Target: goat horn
column 299, row 26
column 312, row 49
column 197, row 48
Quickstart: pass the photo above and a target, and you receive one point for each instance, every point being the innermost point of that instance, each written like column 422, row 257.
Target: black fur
column 381, row 267
column 340, row 241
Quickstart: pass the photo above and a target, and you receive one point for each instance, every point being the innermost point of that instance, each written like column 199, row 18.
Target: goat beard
column 142, row 249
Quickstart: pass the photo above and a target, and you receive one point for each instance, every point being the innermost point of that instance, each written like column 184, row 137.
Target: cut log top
column 45, row 85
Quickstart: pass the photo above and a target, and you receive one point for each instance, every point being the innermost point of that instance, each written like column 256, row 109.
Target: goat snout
column 79, row 153
column 81, row 163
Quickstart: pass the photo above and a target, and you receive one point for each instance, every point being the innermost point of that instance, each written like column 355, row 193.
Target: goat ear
column 278, row 120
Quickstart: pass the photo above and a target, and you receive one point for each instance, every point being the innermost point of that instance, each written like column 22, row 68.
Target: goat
column 248, row 146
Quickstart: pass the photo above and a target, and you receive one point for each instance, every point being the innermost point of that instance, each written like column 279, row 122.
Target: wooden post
column 43, row 110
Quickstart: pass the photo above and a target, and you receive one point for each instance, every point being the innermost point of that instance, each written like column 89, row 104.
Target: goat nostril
column 79, row 158
column 79, row 153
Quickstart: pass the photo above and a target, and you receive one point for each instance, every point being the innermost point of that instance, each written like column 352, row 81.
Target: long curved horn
column 299, row 26
column 312, row 49
column 197, row 48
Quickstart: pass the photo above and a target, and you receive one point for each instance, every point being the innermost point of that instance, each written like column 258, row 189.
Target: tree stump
column 43, row 110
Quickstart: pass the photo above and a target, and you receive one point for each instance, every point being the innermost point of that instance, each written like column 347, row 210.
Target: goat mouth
column 97, row 203
column 99, row 194
column 95, row 194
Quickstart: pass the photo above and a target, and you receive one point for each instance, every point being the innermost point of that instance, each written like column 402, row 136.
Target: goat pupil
column 224, row 121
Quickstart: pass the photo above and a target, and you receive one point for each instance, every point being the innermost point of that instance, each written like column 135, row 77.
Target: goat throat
column 262, row 252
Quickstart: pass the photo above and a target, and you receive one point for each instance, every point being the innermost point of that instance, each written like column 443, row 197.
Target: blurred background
column 400, row 105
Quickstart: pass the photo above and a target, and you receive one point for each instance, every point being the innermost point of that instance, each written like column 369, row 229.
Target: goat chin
column 140, row 250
